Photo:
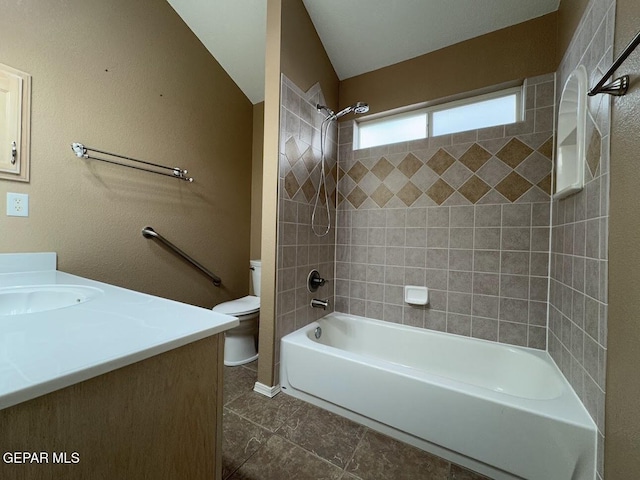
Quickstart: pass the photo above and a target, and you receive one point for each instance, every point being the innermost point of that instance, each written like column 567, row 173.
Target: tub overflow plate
column 318, row 332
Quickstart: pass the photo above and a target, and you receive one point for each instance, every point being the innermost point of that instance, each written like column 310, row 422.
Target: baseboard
column 266, row 391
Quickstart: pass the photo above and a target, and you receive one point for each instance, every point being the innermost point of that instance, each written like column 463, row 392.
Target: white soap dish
column 416, row 295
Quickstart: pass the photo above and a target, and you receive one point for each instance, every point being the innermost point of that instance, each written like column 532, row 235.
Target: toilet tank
column 255, row 276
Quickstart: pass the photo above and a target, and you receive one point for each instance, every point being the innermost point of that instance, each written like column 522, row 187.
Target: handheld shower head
column 359, row 107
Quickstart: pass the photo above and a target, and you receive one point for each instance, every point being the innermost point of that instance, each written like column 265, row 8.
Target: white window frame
column 429, row 111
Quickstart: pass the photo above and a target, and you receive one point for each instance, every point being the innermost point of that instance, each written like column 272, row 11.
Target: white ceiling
column 358, row 35
column 234, row 32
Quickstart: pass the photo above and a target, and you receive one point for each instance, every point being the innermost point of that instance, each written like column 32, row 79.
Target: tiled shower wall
column 299, row 249
column 466, row 215
column 578, row 294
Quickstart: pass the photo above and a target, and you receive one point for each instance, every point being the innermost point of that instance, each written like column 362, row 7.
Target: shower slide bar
column 620, row 85
column 148, row 232
column 176, row 172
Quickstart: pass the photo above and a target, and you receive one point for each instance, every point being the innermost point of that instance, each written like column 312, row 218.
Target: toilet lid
column 241, row 306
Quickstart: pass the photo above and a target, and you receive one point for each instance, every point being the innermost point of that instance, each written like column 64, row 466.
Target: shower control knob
column 315, row 281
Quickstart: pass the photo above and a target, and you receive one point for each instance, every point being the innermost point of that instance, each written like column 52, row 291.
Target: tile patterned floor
column 287, row 439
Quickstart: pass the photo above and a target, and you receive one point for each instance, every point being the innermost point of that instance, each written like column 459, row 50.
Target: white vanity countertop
column 49, row 350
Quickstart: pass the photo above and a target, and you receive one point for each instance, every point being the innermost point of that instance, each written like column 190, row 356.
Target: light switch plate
column 17, row 204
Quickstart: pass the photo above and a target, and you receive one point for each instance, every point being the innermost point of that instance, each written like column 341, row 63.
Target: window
column 392, row 129
column 500, row 108
column 497, row 108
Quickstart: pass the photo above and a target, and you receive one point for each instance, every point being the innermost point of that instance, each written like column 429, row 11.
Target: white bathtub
column 503, row 411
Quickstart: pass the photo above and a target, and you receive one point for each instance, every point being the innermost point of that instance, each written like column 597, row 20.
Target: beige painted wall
column 256, row 180
column 303, row 57
column 130, row 78
column 569, row 14
column 517, row 52
column 622, row 422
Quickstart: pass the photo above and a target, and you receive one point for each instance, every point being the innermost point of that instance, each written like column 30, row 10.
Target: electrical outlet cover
column 17, row 204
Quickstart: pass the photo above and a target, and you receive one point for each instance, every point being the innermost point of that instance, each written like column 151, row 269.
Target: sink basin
column 41, row 298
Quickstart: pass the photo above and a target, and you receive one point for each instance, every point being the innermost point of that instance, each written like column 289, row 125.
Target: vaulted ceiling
column 359, row 35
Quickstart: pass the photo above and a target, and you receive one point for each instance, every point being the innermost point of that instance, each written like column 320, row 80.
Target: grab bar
column 620, row 85
column 176, row 172
column 148, row 232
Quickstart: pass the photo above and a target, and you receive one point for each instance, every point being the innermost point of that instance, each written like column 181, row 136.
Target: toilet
column 240, row 343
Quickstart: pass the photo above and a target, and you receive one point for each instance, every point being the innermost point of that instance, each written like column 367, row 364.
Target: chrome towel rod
column 620, row 85
column 176, row 172
column 148, row 232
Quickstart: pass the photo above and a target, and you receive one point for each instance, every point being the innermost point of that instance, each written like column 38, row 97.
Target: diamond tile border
column 409, row 194
column 357, row 171
column 477, row 177
column 474, row 189
column 475, row 157
column 514, row 152
column 440, row 161
column 410, row 165
column 504, row 164
column 356, row 197
column 382, row 195
column 513, row 186
column 440, row 191
column 382, row 168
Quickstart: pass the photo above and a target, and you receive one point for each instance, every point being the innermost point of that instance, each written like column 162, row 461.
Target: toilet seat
column 240, row 345
column 239, row 307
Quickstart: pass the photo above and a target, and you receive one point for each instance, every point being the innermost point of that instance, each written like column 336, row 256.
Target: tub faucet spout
column 317, row 303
